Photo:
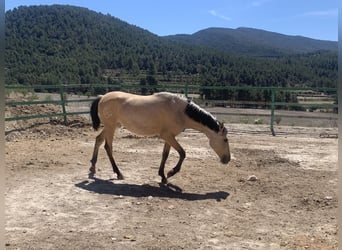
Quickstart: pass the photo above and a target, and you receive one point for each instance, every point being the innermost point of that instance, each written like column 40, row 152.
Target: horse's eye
column 225, row 140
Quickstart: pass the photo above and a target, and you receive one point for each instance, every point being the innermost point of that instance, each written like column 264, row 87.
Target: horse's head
column 219, row 142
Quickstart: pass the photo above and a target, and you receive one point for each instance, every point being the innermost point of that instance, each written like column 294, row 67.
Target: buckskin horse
column 162, row 114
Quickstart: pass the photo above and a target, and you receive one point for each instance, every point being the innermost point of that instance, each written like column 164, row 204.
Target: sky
column 316, row 19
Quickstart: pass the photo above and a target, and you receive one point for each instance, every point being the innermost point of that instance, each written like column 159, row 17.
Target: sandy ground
column 289, row 203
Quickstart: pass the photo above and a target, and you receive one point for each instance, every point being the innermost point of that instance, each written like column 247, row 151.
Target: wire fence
column 217, row 107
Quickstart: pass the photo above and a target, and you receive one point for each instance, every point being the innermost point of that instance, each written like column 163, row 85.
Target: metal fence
column 186, row 90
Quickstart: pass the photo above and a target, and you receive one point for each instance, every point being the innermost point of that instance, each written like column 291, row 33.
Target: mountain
column 52, row 44
column 46, row 44
column 254, row 42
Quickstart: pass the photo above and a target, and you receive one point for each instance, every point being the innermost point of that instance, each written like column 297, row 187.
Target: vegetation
column 71, row 45
column 254, row 42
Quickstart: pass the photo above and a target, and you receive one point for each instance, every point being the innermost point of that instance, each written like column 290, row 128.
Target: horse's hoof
column 164, row 181
column 175, row 188
column 121, row 177
column 91, row 175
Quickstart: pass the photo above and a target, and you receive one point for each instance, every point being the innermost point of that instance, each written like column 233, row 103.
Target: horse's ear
column 221, row 126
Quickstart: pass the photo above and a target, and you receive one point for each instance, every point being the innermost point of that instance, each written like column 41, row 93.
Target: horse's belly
column 151, row 129
column 142, row 131
column 141, row 128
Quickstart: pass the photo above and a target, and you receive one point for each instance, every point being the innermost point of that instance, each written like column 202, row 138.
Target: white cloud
column 332, row 12
column 216, row 14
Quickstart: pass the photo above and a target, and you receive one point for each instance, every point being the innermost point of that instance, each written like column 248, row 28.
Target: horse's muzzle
column 225, row 159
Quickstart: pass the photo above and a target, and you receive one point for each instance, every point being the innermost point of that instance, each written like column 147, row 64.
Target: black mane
column 201, row 116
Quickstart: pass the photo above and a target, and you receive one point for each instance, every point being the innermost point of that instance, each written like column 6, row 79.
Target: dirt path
column 51, row 203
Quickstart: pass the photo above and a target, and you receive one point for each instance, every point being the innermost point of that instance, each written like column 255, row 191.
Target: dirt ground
column 276, row 193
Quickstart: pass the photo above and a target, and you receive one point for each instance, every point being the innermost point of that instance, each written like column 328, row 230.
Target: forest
column 60, row 44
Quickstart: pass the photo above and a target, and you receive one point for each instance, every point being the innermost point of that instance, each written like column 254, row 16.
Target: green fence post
column 272, row 110
column 186, row 90
column 61, row 89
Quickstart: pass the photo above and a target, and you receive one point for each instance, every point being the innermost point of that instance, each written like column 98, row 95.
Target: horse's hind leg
column 99, row 140
column 109, row 149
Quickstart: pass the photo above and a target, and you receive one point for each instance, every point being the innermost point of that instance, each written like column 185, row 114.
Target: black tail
column 94, row 114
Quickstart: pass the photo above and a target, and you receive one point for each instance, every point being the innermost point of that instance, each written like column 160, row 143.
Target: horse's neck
column 199, row 127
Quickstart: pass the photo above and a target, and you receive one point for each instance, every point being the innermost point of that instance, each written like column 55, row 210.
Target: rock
column 129, row 237
column 252, row 178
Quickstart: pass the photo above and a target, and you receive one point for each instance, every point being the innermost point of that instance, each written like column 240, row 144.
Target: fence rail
column 184, row 89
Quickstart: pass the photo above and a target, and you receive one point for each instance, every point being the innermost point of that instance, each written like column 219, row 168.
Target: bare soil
column 276, row 193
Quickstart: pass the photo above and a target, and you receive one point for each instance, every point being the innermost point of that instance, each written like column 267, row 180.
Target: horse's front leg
column 171, row 140
column 99, row 140
column 165, row 155
column 177, row 168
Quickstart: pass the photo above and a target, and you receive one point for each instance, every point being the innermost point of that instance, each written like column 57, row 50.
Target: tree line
column 71, row 45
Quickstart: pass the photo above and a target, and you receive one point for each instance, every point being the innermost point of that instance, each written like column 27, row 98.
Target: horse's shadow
column 133, row 190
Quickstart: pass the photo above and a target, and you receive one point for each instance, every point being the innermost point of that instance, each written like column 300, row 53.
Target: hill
column 254, row 42
column 72, row 45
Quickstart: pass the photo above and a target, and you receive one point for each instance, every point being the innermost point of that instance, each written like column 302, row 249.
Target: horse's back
column 145, row 115
column 164, row 99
